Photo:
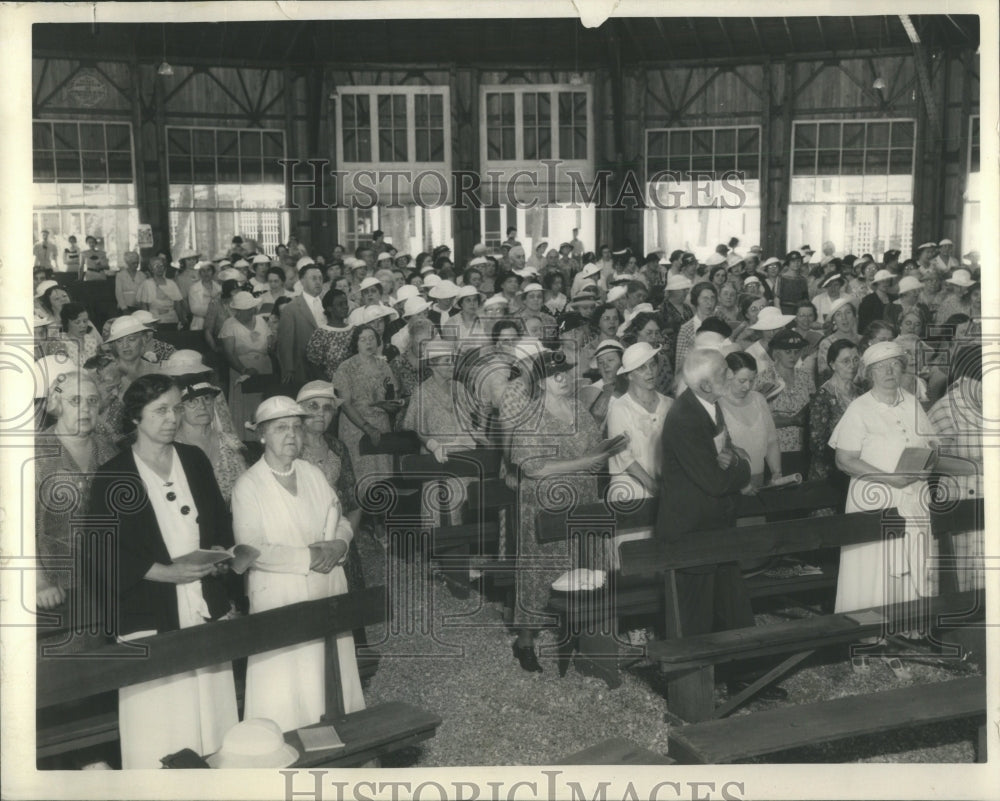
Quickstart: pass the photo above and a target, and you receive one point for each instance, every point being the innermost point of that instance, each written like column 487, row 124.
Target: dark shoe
column 586, row 666
column 770, row 693
column 525, row 654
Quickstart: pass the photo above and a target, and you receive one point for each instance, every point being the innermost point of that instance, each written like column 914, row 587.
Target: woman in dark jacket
column 165, row 504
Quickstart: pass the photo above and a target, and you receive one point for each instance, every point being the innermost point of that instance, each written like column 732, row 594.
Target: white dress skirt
column 288, row 685
column 193, row 709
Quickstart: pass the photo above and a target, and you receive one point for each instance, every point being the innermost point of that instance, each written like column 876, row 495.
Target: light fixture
column 878, row 84
column 165, row 69
column 576, row 79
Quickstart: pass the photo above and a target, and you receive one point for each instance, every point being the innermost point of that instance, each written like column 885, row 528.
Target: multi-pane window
column 529, row 123
column 84, row 184
column 226, row 182
column 700, row 150
column 395, row 124
column 428, row 121
column 356, row 127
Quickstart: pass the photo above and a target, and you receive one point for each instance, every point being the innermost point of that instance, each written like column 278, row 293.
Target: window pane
column 226, row 143
column 725, row 142
column 44, row 166
column 876, row 162
column 901, row 162
column 178, row 141
column 437, row 145
column 701, row 143
column 805, row 136
column 853, row 162
column 68, row 167
column 804, row 162
column 530, row 143
column 421, row 116
column 120, row 167
column 92, row 137
column 204, row 170
column 724, row 162
column 854, row 135
column 493, row 144
column 229, row 171
column 250, row 147
column 749, row 166
column 400, row 149
column 829, row 135
column 66, row 137
column 273, row 145
column 878, row 135
column 749, row 141
column 902, row 133
column 509, row 144
column 180, row 169
column 422, row 144
column 507, row 108
column 250, row 171
column 680, row 143
column 41, row 136
column 701, row 163
column 545, row 143
column 656, row 143
column 828, row 162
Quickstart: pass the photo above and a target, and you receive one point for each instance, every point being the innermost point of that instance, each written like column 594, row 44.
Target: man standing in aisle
column 296, row 324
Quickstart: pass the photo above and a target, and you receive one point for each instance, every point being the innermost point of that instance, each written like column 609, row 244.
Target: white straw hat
column 962, row 278
column 123, row 327
column 254, row 743
column 242, row 301
column 636, row 355
column 771, row 318
column 677, row 283
column 276, row 407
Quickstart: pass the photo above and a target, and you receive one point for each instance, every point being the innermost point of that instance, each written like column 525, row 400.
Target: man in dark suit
column 702, row 475
column 296, row 324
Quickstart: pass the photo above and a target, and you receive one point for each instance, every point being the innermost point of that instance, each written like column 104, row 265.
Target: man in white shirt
column 127, row 283
column 296, row 324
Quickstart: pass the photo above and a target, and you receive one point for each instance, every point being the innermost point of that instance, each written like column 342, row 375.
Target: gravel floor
column 494, row 713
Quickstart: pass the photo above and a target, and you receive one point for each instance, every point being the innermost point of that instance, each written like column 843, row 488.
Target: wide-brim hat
column 881, row 351
column 317, row 389
column 385, row 254
column 145, row 317
column 476, row 261
column 636, row 355
column 532, row 287
column 444, row 290
column 589, row 270
column 830, row 278
column 406, row 292
column 908, row 284
column 714, row 259
column 276, row 407
column 962, row 278
column 751, row 279
column 677, row 283
column 241, row 301
column 229, row 274
column 241, row 264
column 616, row 293
column 882, row 275
column 198, row 389
column 437, row 349
column 124, row 326
column 431, row 279
column 44, row 286
column 838, row 304
column 926, row 245
column 254, row 743
column 607, row 346
column 305, row 261
column 414, row 306
column 771, row 318
column 768, row 262
column 368, row 283
column 467, row 291
column 260, row 258
column 788, row 340
column 184, row 362
column 495, row 300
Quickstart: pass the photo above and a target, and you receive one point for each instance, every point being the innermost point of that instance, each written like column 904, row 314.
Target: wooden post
column 161, row 220
column 690, row 696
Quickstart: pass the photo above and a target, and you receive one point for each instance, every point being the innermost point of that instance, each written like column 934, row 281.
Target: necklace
column 282, row 473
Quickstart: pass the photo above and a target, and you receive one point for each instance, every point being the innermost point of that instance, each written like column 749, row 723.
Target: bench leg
column 981, row 745
column 691, row 696
column 772, row 675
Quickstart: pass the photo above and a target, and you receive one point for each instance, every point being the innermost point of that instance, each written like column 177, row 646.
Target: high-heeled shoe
column 525, row 655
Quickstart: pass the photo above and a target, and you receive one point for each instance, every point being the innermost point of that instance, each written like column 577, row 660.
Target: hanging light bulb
column 878, row 84
column 165, row 69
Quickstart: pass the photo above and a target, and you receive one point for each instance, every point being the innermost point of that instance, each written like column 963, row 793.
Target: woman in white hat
column 199, row 426
column 769, row 322
column 328, row 345
column 201, row 294
column 285, row 508
column 868, row 440
column 161, row 296
column 845, row 326
column 465, row 325
column 597, row 396
column 218, row 311
column 645, row 327
column 129, row 342
column 874, row 306
column 71, row 450
column 49, row 300
column 962, row 297
column 675, row 310
column 167, row 504
column 245, row 338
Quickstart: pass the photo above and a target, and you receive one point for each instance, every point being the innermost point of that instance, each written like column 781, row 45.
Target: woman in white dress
column 167, row 504
column 868, row 441
column 748, row 419
column 285, row 508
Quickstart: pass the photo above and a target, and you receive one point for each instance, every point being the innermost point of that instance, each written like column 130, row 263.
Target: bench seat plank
column 370, row 733
column 615, row 751
column 719, row 741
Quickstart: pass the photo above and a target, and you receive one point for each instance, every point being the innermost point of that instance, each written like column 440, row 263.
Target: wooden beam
column 822, row 33
column 854, row 34
column 756, row 35
column 627, row 27
column 728, row 38
column 788, row 33
column 663, row 33
column 694, row 32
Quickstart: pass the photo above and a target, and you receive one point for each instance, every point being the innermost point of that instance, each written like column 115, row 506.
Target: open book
column 320, row 738
column 240, row 557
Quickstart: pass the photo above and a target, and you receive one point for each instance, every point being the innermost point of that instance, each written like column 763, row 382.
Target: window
column 529, row 123
column 852, row 184
column 410, row 229
column 225, row 182
column 84, row 184
column 412, row 125
column 973, row 192
column 704, row 188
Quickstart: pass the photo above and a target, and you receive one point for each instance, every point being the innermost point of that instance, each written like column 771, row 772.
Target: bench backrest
column 64, row 678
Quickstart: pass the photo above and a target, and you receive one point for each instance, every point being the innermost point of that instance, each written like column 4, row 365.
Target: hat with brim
column 223, row 263
column 830, row 279
column 616, row 293
column 229, row 274
column 44, row 287
column 260, row 258
column 881, row 351
column 794, row 254
column 305, row 261
column 184, row 362
column 525, row 272
column 437, row 349
column 688, row 258
column 909, row 284
column 316, row 389
column 145, row 317
column 431, row 280
column 945, row 242
column 123, row 327
column 751, row 279
column 467, row 291
column 838, row 304
column 415, row 306
column 444, row 290
column 677, row 283
column 962, row 278
column 368, row 283
column 241, row 301
column 203, row 265
column 631, row 315
column 241, row 264
column 524, row 290
column 276, row 407
column 636, row 356
column 882, row 275
column 406, row 292
column 254, row 743
column 494, row 300
column 427, row 268
column 926, row 245
column 771, row 318
column 788, row 340
column 476, row 261
column 733, row 259
column 383, row 256
column 198, row 389
column 768, row 262
column 589, row 270
column 607, row 346
column 714, row 259
column 369, row 314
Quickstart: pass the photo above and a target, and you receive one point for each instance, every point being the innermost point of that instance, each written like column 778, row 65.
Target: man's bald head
column 705, row 372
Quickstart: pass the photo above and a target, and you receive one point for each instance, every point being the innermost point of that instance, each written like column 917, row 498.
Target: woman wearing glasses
column 166, row 502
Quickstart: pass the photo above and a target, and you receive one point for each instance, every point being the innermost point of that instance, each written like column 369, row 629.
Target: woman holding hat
column 555, row 450
column 748, row 418
column 199, row 426
column 245, row 338
column 161, row 296
column 828, row 405
column 868, row 440
column 329, row 344
column 67, row 453
column 958, row 298
column 790, row 405
column 286, row 509
column 167, row 504
column 597, row 396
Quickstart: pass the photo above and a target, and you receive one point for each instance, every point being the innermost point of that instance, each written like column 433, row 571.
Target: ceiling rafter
column 725, row 33
column 822, row 34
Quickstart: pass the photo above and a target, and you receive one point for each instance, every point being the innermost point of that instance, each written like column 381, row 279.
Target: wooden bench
column 374, row 731
column 719, row 741
column 615, row 751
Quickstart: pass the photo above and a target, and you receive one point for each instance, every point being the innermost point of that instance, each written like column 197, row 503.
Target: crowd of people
column 660, row 376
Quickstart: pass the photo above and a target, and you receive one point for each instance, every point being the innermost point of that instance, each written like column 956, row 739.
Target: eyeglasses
column 315, row 407
column 198, row 400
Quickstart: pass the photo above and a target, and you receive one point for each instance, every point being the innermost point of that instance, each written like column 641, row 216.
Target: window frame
column 80, row 151
column 519, row 90
column 410, row 92
column 239, row 159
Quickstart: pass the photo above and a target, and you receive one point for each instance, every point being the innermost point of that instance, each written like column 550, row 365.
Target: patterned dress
column 792, row 399
column 228, row 461
column 408, row 378
column 539, row 437
column 671, row 320
column 825, row 410
column 328, row 347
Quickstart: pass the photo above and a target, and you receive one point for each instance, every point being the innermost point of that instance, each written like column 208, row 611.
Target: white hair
column 699, row 364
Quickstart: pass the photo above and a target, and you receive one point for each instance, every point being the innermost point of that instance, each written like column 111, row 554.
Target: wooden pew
column 367, row 734
column 615, row 751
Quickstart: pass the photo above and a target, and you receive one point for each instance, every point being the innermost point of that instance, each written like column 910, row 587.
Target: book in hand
column 866, row 617
column 784, row 481
column 915, row 460
column 239, row 557
column 320, row 738
column 613, row 444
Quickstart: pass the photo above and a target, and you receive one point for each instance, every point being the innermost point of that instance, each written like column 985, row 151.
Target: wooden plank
column 478, row 463
column 465, row 534
column 616, row 751
column 66, row 679
column 369, row 733
column 720, row 741
column 806, row 633
column 77, row 734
